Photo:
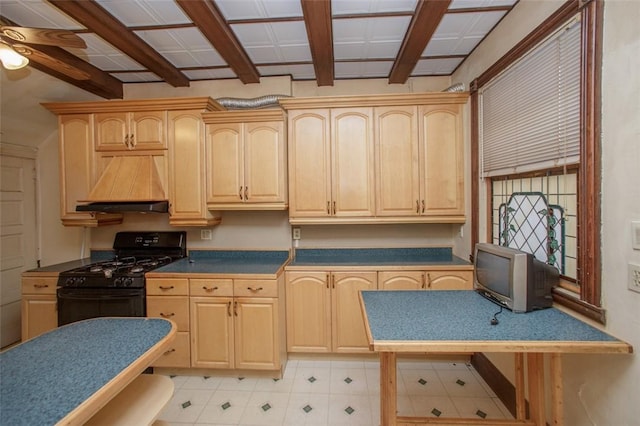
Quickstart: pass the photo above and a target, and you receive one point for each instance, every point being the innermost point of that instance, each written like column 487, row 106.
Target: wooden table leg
column 388, row 389
column 557, row 408
column 521, row 411
column 535, row 374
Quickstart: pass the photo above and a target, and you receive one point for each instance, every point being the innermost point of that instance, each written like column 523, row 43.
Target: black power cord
column 494, row 320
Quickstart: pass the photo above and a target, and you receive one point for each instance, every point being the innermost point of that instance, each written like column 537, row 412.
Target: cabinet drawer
column 167, row 287
column 39, row 285
column 174, row 308
column 178, row 354
column 211, row 287
column 255, row 288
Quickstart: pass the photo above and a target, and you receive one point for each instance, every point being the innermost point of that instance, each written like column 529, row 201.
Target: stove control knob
column 69, row 281
column 117, row 282
column 128, row 282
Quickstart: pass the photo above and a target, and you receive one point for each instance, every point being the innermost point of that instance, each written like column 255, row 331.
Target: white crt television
column 513, row 278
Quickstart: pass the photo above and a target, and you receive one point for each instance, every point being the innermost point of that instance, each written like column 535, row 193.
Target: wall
column 598, row 389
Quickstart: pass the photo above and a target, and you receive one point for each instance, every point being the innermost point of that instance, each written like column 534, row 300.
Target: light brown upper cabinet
column 246, row 160
column 376, row 159
column 420, row 161
column 166, row 134
column 128, row 131
column 331, row 163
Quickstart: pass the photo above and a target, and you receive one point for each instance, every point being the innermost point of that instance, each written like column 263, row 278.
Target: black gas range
column 116, row 287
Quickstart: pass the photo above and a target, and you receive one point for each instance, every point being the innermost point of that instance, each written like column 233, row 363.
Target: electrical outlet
column 296, row 233
column 634, row 277
column 206, row 234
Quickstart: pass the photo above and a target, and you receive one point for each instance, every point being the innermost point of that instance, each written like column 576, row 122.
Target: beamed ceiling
column 179, row 41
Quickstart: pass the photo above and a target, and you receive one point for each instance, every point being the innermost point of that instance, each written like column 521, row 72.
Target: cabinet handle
column 429, row 280
column 235, row 309
column 334, row 208
column 169, row 351
column 417, row 206
column 328, row 278
column 424, row 284
column 132, row 141
column 246, row 193
column 209, row 289
column 126, row 141
column 333, row 281
column 254, row 289
column 41, row 285
column 240, row 193
column 166, row 288
column 228, row 308
column 422, row 206
column 163, row 315
column 328, row 207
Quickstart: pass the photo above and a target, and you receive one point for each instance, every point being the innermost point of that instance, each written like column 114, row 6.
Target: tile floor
column 331, row 393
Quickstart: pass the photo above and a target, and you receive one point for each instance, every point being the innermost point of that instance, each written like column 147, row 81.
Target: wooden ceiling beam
column 319, row 24
column 209, row 20
column 64, row 66
column 424, row 23
column 98, row 20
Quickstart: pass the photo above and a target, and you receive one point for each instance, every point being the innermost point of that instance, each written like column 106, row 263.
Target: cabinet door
column 309, row 163
column 442, row 160
column 398, row 176
column 352, row 152
column 264, row 162
column 308, row 312
column 147, row 130
column 39, row 314
column 401, row 280
column 256, row 333
column 187, row 188
column 78, row 171
column 449, row 280
column 348, row 326
column 112, row 131
column 225, row 164
column 212, row 332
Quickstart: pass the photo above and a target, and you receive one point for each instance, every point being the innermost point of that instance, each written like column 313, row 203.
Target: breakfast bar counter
column 67, row 375
column 460, row 321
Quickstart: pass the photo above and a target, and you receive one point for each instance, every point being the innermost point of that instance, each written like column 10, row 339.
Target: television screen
column 494, row 272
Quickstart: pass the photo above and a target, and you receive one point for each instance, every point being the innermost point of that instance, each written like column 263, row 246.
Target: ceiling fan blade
column 48, row 36
column 37, row 56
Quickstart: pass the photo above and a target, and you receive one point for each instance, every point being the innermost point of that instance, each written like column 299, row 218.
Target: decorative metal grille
column 529, row 223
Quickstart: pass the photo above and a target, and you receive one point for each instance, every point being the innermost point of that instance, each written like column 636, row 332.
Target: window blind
column 530, row 113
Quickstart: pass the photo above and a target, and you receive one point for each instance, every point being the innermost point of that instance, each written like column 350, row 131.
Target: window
column 535, row 126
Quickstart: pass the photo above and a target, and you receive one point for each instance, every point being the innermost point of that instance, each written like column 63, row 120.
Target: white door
column 17, row 238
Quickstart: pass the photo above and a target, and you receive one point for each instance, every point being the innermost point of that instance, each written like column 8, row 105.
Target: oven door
column 76, row 304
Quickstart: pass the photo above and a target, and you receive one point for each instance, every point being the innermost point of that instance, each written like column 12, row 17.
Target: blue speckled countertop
column 465, row 316
column 45, row 378
column 377, row 257
column 228, row 262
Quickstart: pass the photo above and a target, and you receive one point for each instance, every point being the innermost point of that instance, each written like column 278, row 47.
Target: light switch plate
column 635, row 235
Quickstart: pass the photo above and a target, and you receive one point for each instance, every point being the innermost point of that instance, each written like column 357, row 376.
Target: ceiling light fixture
column 11, row 59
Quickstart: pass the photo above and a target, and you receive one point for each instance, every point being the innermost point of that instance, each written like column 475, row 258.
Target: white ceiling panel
column 363, row 50
column 351, row 7
column 459, row 33
column 256, row 9
column 36, row 13
column 137, row 77
column 464, row 4
column 268, row 43
column 443, row 66
column 370, row 29
column 344, row 70
column 145, row 12
column 113, row 62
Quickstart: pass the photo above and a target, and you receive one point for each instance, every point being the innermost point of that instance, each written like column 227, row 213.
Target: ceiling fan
column 15, row 55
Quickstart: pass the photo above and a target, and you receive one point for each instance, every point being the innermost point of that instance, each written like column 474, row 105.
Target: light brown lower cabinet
column 223, row 323
column 323, row 311
column 39, row 305
column 169, row 298
column 426, row 280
